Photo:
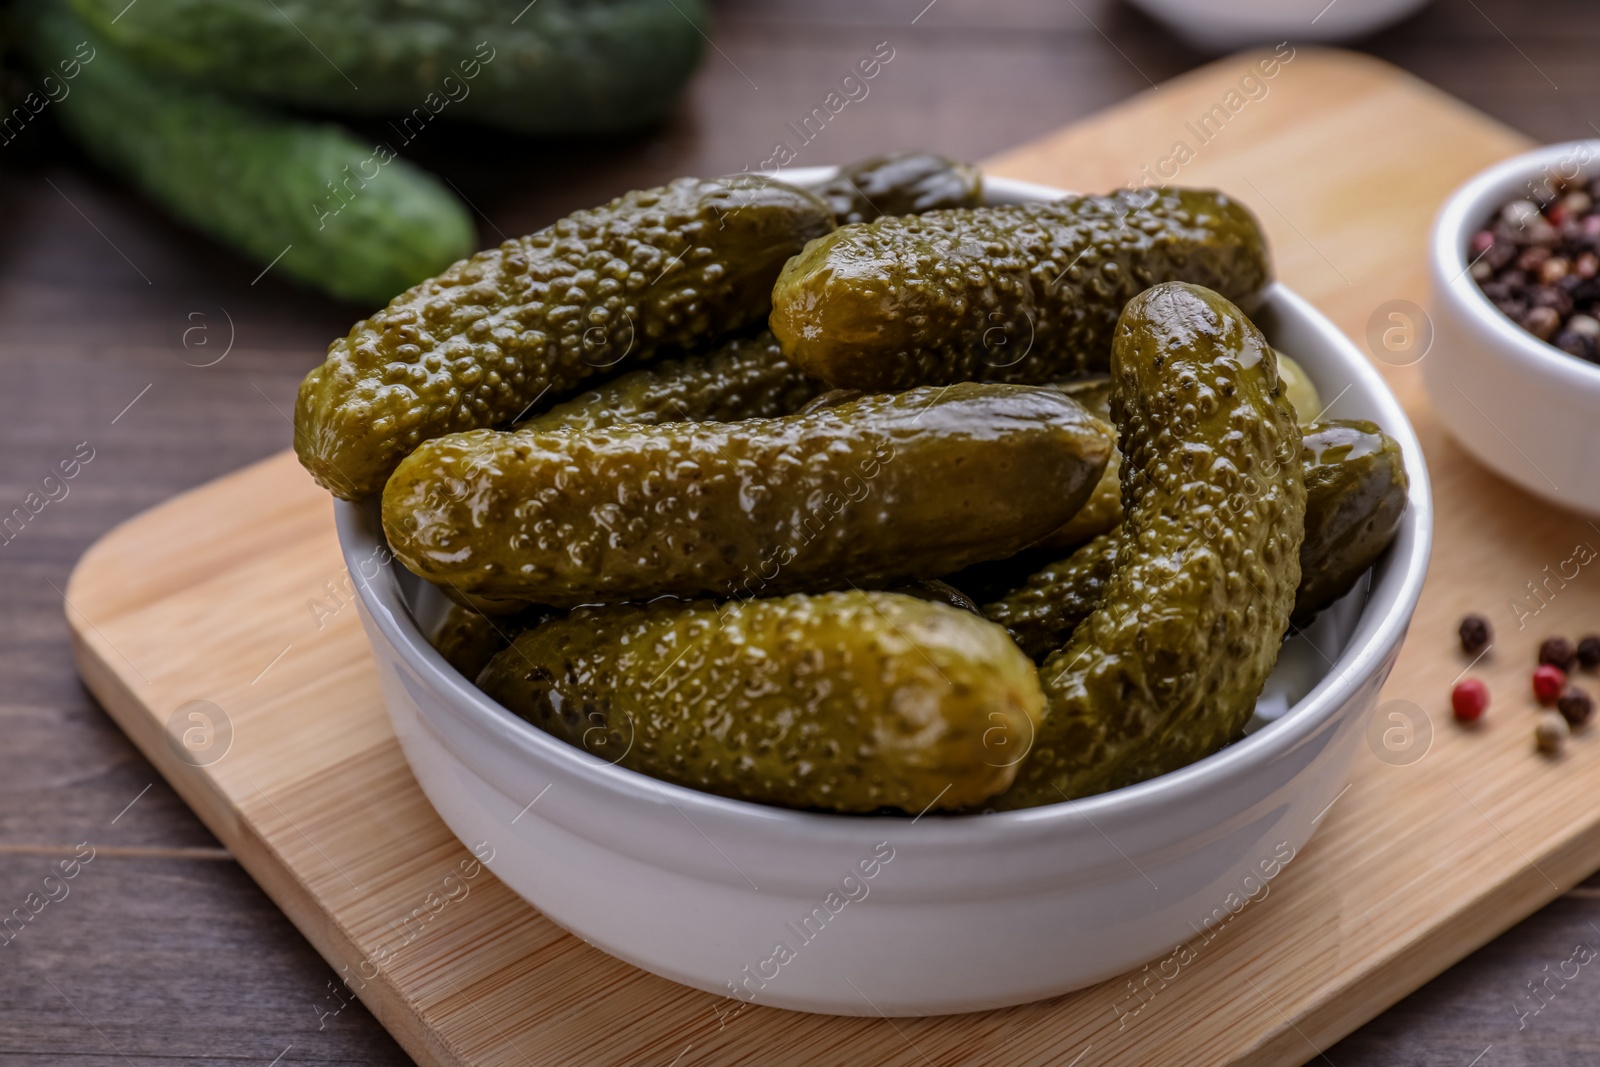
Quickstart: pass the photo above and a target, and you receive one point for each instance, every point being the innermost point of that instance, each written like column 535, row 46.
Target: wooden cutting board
column 230, row 602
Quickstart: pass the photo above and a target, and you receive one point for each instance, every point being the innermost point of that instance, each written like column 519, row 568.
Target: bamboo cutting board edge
column 396, row 1012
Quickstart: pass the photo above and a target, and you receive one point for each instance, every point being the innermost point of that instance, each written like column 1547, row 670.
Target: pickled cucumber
column 1168, row 667
column 905, row 183
column 652, row 271
column 1104, row 509
column 1356, row 488
column 1299, row 390
column 1042, row 612
column 996, row 578
column 881, row 489
column 848, row 702
column 1017, row 293
column 747, row 378
column 1094, row 392
column 468, row 639
column 939, row 592
column 1356, row 485
column 831, row 398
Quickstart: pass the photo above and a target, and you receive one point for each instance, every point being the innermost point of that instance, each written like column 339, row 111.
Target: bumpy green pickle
column 1299, row 390
column 746, row 378
column 940, row 592
column 1356, row 486
column 847, row 702
column 1104, row 509
column 905, row 183
column 468, row 639
column 1168, row 668
column 1019, row 292
column 1042, row 612
column 653, row 271
column 885, row 488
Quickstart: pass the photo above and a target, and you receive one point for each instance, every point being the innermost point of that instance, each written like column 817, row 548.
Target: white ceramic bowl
column 1226, row 25
column 893, row 915
column 1524, row 408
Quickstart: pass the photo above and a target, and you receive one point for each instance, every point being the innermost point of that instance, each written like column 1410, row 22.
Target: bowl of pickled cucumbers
column 1002, row 575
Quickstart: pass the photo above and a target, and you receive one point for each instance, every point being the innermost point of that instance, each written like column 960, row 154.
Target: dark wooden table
column 165, row 951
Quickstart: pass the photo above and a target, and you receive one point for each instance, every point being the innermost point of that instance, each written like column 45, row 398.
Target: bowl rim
column 1468, row 209
column 359, row 536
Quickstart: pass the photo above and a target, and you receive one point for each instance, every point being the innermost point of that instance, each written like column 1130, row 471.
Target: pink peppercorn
column 1469, row 700
column 1548, row 682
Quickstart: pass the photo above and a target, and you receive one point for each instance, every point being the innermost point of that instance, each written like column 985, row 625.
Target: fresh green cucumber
column 553, row 66
column 306, row 198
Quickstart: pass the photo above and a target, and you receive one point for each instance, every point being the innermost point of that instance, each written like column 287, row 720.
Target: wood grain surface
column 165, row 951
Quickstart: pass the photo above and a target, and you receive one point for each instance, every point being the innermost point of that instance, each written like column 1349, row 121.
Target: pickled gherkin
column 1356, row 485
column 849, row 702
column 1168, row 668
column 1300, row 390
column 939, row 592
column 1104, row 509
column 469, row 639
column 905, row 183
column 1017, row 292
column 1356, row 492
column 1102, row 512
column 651, row 272
column 747, row 378
column 881, row 489
column 1042, row 612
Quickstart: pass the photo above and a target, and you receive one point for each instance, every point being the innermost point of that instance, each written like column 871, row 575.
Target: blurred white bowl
column 1524, row 408
column 1224, row 25
column 958, row 913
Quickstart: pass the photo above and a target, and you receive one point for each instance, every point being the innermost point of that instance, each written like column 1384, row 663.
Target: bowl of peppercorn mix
column 1514, row 368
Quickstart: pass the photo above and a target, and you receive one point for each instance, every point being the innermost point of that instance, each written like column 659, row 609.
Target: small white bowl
column 1526, row 410
column 1227, row 25
column 905, row 916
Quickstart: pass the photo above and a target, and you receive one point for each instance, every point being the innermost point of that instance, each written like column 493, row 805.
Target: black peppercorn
column 1536, row 261
column 1589, row 652
column 1573, row 344
column 1576, row 706
column 1558, row 652
column 1476, row 635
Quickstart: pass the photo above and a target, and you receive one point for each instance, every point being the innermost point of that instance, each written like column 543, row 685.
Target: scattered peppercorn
column 1558, row 652
column 1550, row 733
column 1576, row 706
column 1548, row 682
column 1476, row 635
column 1536, row 261
column 1469, row 700
column 1589, row 652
